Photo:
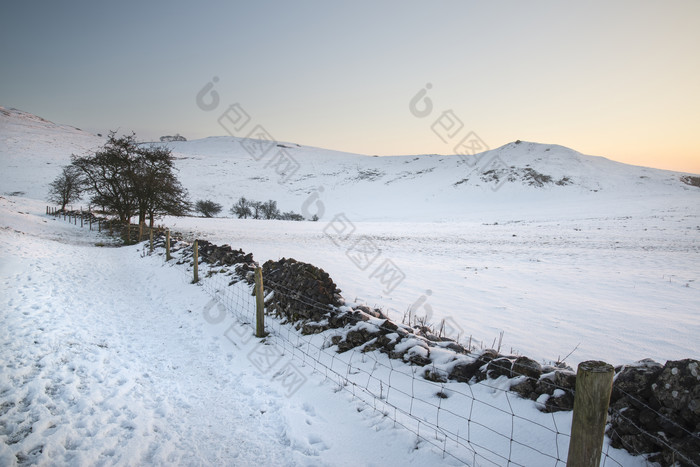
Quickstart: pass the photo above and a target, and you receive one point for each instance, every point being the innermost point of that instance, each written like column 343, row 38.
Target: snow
column 107, row 359
column 619, row 288
column 111, row 357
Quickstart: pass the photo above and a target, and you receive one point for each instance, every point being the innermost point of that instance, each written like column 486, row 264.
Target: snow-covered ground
column 107, row 358
column 110, row 357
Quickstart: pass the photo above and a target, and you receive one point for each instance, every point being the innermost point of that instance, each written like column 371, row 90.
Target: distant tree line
column 245, row 208
column 125, row 178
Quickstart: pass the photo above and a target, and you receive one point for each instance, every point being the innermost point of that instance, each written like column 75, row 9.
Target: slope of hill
column 32, row 151
column 517, row 177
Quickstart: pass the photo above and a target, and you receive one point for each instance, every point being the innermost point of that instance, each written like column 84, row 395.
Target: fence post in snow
column 594, row 381
column 195, row 254
column 259, row 304
column 167, row 245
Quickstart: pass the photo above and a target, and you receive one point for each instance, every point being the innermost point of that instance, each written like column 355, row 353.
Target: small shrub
column 207, row 208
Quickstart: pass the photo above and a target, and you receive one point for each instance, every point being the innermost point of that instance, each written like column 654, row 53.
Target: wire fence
column 474, row 424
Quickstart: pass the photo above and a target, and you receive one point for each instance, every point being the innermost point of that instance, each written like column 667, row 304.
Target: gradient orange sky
column 616, row 79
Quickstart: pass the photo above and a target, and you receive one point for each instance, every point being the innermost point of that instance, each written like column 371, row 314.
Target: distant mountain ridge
column 421, row 187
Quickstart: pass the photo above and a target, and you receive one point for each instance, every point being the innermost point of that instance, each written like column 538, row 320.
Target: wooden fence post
column 140, row 231
column 195, row 253
column 593, row 388
column 167, row 245
column 259, row 304
column 150, row 239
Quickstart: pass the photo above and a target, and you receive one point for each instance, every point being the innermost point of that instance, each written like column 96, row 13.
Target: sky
column 616, row 79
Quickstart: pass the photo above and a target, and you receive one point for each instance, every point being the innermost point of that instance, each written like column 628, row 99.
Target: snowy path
column 107, row 360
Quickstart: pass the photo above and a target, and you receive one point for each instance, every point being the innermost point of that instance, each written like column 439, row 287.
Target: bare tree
column 127, row 178
column 66, row 188
column 256, row 209
column 207, row 207
column 269, row 210
column 242, row 208
column 158, row 191
column 108, row 175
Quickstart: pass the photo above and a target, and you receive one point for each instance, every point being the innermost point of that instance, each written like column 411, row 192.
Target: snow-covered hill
column 517, row 177
column 32, row 151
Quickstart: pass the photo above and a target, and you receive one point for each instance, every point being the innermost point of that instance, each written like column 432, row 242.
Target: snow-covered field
column 106, row 357
column 619, row 288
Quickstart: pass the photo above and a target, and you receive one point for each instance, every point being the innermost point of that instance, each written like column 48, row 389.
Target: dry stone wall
column 655, row 409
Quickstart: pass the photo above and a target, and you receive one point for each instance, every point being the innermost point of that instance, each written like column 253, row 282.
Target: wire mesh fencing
column 474, row 424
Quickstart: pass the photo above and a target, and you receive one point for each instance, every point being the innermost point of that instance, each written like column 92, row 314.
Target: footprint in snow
column 317, row 442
